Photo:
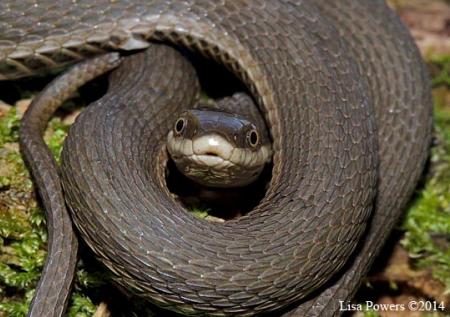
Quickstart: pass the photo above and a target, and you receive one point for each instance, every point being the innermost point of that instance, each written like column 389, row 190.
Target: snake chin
column 210, row 160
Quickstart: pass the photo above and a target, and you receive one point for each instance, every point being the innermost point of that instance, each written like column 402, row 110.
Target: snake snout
column 216, row 149
column 212, row 145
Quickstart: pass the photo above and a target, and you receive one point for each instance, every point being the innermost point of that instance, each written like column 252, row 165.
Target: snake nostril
column 211, row 154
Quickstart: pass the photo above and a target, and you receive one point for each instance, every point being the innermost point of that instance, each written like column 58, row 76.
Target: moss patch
column 427, row 222
column 23, row 234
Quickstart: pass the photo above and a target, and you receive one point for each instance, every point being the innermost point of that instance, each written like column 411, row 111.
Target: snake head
column 218, row 149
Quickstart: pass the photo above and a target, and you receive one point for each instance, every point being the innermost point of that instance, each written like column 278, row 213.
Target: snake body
column 346, row 98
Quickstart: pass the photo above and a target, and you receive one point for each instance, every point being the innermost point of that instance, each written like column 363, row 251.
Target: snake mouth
column 212, row 149
column 212, row 161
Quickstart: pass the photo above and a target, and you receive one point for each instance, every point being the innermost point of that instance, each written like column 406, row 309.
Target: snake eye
column 253, row 138
column 179, row 126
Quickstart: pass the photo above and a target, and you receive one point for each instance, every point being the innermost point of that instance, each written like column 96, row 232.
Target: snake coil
column 346, row 98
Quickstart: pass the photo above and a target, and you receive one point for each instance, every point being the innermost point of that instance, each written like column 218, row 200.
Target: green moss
column 371, row 313
column 427, row 222
column 440, row 66
column 17, row 308
column 201, row 213
column 22, row 226
column 23, row 233
column 81, row 306
column 9, row 127
column 55, row 139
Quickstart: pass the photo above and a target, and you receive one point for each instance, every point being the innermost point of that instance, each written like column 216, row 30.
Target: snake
column 218, row 148
column 346, row 100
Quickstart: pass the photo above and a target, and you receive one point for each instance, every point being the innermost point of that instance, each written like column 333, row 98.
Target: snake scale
column 346, row 99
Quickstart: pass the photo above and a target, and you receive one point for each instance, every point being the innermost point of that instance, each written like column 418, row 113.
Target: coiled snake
column 345, row 96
